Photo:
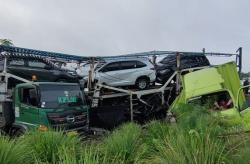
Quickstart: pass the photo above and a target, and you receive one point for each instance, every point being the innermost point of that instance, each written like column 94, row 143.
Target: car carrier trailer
column 40, row 105
column 147, row 102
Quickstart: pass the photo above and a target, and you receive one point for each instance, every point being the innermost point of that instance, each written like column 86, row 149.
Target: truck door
column 244, row 107
column 129, row 72
column 245, row 114
column 26, row 106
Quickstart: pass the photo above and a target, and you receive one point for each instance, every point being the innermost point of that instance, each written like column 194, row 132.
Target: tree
column 6, row 42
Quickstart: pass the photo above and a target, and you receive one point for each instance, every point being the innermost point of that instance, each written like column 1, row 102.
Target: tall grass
column 192, row 140
column 123, row 145
column 195, row 138
column 12, row 151
column 181, row 146
column 46, row 145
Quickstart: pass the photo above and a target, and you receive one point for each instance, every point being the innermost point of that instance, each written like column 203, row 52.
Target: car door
column 42, row 70
column 128, row 73
column 26, row 109
column 109, row 74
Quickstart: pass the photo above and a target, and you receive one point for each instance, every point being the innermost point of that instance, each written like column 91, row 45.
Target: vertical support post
column 178, row 63
column 131, row 108
column 90, row 75
column 154, row 59
column 162, row 98
column 5, row 65
column 239, row 59
column 203, row 51
column 5, row 77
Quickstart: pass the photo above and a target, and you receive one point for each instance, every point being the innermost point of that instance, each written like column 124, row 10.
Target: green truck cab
column 205, row 87
column 43, row 106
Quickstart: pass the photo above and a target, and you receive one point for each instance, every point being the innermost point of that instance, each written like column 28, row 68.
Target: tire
column 17, row 132
column 142, row 83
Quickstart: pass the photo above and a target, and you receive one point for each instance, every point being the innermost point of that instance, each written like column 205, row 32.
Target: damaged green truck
column 204, row 87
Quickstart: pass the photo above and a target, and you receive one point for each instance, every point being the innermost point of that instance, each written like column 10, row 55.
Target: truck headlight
column 43, row 128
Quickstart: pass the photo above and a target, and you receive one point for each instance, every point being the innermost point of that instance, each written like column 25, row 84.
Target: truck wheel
column 17, row 132
column 142, row 83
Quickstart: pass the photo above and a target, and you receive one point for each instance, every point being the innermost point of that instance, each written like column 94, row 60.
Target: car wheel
column 142, row 83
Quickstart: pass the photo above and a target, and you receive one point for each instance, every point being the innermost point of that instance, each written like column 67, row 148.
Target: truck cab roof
column 46, row 83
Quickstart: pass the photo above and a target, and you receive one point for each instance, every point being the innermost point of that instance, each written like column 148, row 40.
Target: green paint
column 31, row 116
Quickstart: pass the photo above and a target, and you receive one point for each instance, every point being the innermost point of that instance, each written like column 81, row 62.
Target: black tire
column 142, row 83
column 17, row 132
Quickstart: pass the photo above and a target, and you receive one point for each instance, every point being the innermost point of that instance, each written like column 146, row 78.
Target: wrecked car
column 26, row 66
column 138, row 72
column 217, row 88
column 167, row 66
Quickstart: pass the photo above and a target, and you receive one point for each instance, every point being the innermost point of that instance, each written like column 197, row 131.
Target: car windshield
column 167, row 59
column 58, row 96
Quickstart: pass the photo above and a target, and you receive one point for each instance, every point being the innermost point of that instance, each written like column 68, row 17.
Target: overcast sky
column 110, row 27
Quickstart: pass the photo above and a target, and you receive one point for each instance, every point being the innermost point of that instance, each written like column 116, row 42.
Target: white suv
column 126, row 72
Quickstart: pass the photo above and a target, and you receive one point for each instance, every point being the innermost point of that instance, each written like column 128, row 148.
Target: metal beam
column 80, row 58
column 20, row 50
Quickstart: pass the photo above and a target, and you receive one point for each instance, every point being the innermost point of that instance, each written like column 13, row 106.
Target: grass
column 47, row 147
column 12, row 151
column 123, row 145
column 195, row 138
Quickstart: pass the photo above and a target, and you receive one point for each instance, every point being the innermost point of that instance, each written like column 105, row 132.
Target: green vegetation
column 197, row 137
column 6, row 42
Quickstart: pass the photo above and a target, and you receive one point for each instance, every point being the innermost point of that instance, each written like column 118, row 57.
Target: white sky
column 110, row 27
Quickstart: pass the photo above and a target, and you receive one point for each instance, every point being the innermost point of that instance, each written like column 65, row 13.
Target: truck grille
column 68, row 120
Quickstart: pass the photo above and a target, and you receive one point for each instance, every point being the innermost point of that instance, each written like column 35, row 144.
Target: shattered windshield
column 59, row 96
column 214, row 101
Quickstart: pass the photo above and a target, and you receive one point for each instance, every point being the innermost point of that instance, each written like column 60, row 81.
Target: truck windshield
column 58, row 96
column 216, row 101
